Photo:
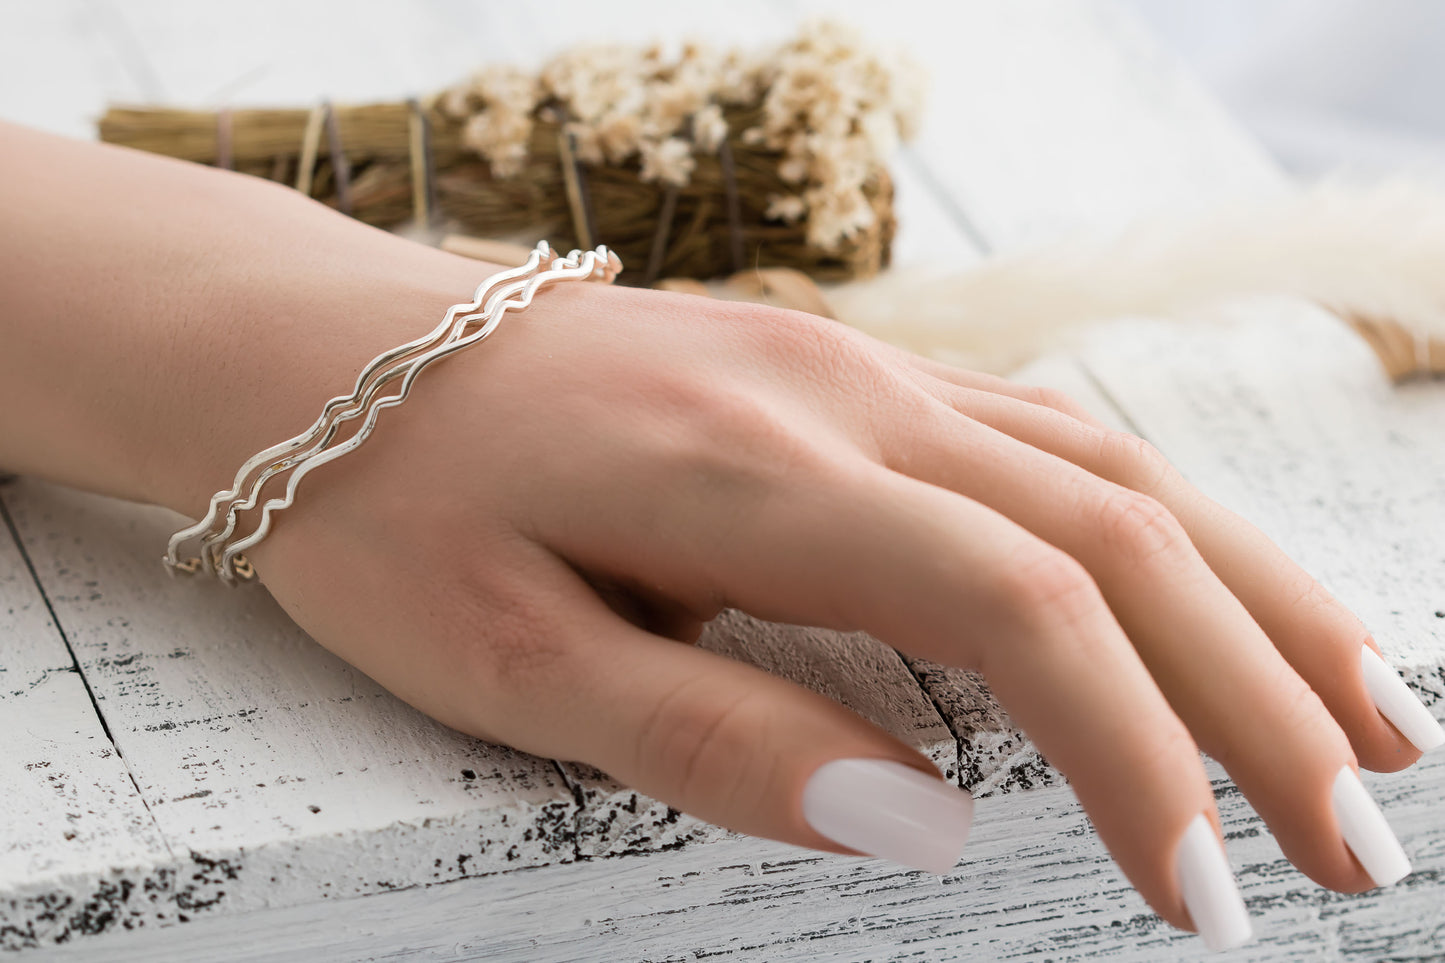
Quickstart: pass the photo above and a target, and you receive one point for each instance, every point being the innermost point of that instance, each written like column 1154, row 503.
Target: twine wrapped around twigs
column 694, row 165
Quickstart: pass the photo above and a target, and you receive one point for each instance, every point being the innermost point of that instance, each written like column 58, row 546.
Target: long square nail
column 1398, row 704
column 1209, row 890
column 1365, row 831
column 890, row 810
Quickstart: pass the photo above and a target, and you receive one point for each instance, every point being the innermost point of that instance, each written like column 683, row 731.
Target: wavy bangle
column 269, row 457
column 381, row 369
column 225, row 557
column 513, row 289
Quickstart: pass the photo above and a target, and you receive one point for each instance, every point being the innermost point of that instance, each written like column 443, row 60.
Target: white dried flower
column 832, row 109
column 834, row 217
column 788, row 208
column 457, row 103
column 669, row 161
column 794, row 170
column 619, row 134
column 709, row 129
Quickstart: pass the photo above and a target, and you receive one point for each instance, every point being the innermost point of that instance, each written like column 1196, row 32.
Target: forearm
column 162, row 321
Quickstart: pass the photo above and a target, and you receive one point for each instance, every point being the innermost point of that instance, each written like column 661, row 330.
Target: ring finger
column 1208, row 655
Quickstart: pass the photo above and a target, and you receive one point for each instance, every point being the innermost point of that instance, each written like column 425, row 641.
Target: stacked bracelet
column 222, row 554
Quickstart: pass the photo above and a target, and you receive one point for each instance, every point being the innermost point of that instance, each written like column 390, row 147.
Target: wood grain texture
column 1035, row 885
column 264, row 760
column 74, row 832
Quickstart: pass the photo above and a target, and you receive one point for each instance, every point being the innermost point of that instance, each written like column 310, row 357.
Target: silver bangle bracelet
column 268, row 459
column 463, row 325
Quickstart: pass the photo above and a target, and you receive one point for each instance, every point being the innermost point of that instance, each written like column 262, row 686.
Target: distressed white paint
column 1034, row 884
column 253, row 746
column 71, row 824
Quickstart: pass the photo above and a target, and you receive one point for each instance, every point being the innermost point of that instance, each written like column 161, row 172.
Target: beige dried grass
column 794, row 137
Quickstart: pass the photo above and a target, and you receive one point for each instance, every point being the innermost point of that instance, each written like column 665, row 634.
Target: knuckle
column 1132, row 461
column 1168, row 747
column 837, row 356
column 1049, row 587
column 700, row 741
column 1139, row 526
column 1301, row 712
column 1059, row 401
column 1307, row 597
column 734, row 432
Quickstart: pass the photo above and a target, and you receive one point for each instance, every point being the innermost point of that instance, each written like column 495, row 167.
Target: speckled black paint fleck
column 121, row 901
column 205, row 888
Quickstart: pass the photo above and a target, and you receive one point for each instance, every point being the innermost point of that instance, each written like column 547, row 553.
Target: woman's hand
column 525, row 549
column 526, row 546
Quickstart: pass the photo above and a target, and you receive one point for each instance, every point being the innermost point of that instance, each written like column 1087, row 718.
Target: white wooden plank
column 1034, row 884
column 283, row 772
column 79, row 853
column 1051, row 118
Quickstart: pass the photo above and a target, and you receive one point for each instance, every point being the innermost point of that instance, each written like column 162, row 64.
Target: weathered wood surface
column 1035, row 885
column 1050, row 118
column 265, row 761
column 75, row 831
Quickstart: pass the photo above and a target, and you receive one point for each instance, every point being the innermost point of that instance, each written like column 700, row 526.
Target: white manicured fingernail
column 1398, row 704
column 1365, row 831
column 1210, row 893
column 890, row 810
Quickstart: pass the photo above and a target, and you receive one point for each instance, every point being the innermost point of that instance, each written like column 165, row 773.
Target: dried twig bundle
column 694, row 164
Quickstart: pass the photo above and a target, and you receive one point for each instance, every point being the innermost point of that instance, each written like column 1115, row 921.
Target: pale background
column 1349, row 86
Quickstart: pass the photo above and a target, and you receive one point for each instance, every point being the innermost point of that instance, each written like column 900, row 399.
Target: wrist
column 271, row 377
column 164, row 321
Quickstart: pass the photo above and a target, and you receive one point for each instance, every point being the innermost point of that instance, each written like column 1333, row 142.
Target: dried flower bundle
column 694, row 164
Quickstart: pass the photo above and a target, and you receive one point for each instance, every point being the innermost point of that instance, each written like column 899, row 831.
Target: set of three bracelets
column 222, row 549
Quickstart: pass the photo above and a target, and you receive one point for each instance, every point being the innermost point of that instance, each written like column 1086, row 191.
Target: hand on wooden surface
column 525, row 548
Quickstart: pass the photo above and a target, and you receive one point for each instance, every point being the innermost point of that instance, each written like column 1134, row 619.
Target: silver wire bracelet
column 463, row 325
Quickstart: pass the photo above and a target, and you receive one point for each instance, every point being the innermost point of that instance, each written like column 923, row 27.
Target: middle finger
column 1244, row 703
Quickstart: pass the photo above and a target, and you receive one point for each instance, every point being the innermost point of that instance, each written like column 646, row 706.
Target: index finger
column 941, row 576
